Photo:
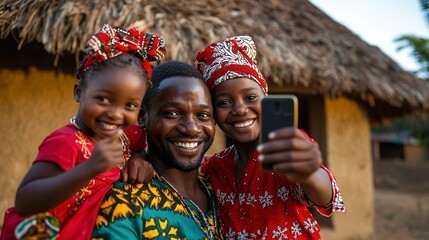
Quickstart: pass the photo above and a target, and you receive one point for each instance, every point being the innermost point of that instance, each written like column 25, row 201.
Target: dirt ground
column 401, row 200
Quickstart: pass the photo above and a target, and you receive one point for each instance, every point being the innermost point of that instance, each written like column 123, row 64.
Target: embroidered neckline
column 206, row 228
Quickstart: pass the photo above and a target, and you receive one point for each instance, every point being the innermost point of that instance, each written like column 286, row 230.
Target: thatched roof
column 297, row 43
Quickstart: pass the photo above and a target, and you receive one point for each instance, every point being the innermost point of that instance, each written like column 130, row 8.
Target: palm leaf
column 419, row 49
column 424, row 5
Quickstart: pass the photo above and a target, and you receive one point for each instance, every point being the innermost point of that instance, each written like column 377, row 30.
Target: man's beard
column 161, row 151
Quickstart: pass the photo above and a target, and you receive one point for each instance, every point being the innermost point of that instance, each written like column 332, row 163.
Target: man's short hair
column 167, row 70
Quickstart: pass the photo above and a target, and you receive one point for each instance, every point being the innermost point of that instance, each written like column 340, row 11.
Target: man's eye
column 204, row 115
column 171, row 113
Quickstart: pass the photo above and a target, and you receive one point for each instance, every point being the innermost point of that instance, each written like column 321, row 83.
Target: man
column 177, row 203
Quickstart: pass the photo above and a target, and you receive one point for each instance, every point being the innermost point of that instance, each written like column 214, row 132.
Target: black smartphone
column 277, row 111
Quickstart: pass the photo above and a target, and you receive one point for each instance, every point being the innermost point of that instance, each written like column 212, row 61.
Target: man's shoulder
column 126, row 193
column 119, row 203
column 204, row 178
column 206, row 182
column 122, row 193
column 126, row 190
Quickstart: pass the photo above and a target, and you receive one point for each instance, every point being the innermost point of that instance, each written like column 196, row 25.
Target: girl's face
column 110, row 100
column 237, row 105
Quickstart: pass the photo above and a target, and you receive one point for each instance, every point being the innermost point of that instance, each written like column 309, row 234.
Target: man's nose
column 190, row 126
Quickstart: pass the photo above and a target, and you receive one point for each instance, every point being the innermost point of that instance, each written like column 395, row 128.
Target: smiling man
column 177, row 203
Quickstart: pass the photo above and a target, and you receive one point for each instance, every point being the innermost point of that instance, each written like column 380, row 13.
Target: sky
column 380, row 22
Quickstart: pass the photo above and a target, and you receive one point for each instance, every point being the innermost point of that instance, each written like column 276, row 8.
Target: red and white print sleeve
column 336, row 204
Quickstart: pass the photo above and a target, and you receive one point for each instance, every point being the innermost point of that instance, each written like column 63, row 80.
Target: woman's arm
column 292, row 153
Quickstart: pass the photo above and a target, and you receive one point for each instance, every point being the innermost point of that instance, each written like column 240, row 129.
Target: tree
column 419, row 45
column 417, row 125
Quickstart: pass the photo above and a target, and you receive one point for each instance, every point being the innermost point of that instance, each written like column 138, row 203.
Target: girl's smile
column 237, row 108
column 244, row 125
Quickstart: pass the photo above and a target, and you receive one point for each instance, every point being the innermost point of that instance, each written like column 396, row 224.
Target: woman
column 254, row 203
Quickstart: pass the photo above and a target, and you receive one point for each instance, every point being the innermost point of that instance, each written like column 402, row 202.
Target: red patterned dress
column 264, row 205
column 67, row 147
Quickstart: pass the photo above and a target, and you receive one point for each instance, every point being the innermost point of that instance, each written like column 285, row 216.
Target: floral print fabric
column 263, row 205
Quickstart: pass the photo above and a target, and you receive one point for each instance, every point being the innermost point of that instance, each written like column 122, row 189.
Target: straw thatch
column 298, row 44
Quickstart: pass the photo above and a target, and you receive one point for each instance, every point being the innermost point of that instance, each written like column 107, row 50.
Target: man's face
column 180, row 123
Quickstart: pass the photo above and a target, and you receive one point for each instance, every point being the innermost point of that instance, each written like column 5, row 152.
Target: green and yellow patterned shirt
column 155, row 210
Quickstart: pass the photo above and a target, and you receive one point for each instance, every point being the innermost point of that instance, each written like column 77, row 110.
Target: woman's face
column 237, row 105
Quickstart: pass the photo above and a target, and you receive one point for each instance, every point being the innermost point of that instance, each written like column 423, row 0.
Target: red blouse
column 264, row 205
column 67, row 147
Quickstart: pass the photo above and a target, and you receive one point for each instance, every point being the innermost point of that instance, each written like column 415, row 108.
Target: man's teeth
column 108, row 126
column 243, row 124
column 186, row 145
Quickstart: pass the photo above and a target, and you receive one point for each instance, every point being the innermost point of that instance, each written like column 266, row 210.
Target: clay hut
column 343, row 84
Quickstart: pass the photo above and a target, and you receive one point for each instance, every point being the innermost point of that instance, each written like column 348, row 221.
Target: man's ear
column 145, row 118
column 142, row 118
column 77, row 91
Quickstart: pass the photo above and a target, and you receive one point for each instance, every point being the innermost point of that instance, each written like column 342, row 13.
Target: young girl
column 77, row 164
column 253, row 203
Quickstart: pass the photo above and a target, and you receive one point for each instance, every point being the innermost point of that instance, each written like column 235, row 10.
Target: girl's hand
column 107, row 153
column 290, row 151
column 137, row 170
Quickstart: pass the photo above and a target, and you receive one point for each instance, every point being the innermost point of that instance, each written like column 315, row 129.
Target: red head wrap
column 233, row 58
column 111, row 42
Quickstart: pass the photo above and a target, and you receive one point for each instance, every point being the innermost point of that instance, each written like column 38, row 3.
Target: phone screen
column 278, row 111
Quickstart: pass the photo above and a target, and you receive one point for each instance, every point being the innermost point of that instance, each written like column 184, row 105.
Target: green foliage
column 419, row 45
column 420, row 129
column 420, row 50
column 424, row 5
column 417, row 126
column 422, row 134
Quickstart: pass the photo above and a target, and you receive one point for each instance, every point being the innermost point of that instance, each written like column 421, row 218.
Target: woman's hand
column 291, row 152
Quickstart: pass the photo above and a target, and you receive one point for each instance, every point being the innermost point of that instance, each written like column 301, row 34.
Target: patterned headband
column 111, row 42
column 233, row 58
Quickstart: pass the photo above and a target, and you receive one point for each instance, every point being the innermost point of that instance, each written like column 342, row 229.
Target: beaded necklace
column 124, row 141
column 206, row 229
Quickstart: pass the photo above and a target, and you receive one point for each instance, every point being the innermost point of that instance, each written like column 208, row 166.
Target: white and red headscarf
column 233, row 58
